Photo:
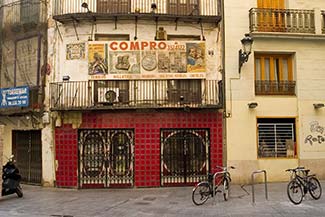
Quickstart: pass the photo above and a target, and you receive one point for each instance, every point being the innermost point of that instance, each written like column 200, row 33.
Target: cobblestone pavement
column 162, row 202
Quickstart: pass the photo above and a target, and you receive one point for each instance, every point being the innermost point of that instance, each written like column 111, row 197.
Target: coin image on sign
column 149, row 62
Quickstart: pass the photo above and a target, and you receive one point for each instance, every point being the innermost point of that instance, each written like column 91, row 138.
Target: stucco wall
column 309, row 56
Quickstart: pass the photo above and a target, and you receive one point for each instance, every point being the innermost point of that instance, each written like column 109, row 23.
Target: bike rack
column 253, row 183
column 214, row 183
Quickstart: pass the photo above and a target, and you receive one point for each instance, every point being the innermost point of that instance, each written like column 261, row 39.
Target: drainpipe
column 223, row 71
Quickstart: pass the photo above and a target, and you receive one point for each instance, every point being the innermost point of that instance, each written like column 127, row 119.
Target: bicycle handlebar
column 296, row 169
column 225, row 168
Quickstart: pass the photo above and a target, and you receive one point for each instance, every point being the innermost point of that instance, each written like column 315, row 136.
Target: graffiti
column 314, row 139
column 315, row 128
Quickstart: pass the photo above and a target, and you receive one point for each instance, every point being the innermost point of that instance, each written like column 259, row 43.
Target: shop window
column 276, row 138
column 274, row 74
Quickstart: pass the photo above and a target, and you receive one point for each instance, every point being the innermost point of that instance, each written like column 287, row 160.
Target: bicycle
column 203, row 190
column 301, row 184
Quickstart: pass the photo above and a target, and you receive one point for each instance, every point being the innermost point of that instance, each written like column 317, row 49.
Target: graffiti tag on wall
column 316, row 134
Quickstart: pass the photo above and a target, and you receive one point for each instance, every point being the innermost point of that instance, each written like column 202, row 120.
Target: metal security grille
column 184, row 156
column 27, row 148
column 106, row 158
column 276, row 139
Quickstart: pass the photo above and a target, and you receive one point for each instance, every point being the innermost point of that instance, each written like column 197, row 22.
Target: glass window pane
column 267, row 68
column 285, row 69
column 258, row 69
column 276, row 69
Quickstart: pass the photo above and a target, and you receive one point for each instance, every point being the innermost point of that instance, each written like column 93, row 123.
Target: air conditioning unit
column 108, row 95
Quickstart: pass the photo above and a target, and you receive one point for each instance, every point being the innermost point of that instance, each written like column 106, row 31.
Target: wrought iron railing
column 275, row 87
column 76, row 95
column 170, row 7
column 27, row 14
column 282, row 20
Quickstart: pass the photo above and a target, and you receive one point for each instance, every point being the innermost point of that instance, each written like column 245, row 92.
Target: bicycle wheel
column 201, row 193
column 225, row 189
column 314, row 187
column 294, row 192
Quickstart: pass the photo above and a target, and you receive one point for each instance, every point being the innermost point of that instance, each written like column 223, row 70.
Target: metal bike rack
column 214, row 183
column 253, row 183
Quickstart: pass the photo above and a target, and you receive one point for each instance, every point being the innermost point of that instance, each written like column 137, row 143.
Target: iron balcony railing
column 24, row 14
column 170, row 7
column 92, row 95
column 282, row 20
column 275, row 87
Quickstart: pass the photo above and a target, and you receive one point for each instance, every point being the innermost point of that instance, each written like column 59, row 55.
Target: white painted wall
column 309, row 58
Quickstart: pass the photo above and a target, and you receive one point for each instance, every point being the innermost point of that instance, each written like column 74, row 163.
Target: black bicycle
column 204, row 189
column 301, row 183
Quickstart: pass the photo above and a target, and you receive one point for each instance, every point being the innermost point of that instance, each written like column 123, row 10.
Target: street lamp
column 85, row 5
column 246, row 42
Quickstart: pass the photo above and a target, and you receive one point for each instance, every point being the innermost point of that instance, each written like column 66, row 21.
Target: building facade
column 23, row 58
column 106, row 93
column 134, row 92
column 274, row 109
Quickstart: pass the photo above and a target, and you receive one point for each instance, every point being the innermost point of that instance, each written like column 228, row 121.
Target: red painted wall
column 147, row 141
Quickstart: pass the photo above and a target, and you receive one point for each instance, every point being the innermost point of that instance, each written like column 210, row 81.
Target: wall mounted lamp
column 85, row 5
column 153, row 7
column 66, row 78
column 252, row 105
column 244, row 53
column 318, row 105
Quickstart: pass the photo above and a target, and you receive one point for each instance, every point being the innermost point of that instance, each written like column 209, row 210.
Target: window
column 276, row 138
column 271, row 15
column 29, row 12
column 183, row 7
column 274, row 74
column 184, row 91
column 113, row 6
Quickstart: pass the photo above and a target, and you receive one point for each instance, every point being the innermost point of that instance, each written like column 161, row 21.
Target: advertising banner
column 146, row 59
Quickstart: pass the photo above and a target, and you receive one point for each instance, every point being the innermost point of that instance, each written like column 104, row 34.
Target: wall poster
column 146, row 60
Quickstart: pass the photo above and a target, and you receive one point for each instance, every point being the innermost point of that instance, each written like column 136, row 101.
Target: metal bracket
column 75, row 28
column 253, row 183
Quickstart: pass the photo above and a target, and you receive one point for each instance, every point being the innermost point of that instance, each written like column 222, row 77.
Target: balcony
column 134, row 94
column 197, row 10
column 282, row 20
column 24, row 15
column 275, row 87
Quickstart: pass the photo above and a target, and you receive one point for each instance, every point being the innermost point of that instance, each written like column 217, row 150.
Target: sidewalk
column 162, row 202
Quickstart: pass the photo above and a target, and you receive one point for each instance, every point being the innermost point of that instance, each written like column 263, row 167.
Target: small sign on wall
column 14, row 97
column 75, row 51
